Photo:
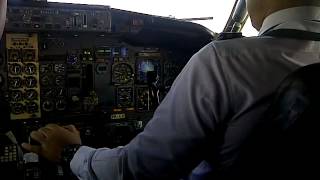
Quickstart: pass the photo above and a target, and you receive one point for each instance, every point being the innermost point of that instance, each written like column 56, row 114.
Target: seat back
column 286, row 143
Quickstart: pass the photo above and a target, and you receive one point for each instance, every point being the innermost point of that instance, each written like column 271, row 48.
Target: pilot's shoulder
column 238, row 45
column 225, row 50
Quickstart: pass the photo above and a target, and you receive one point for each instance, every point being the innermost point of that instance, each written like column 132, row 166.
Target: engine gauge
column 50, row 93
column 31, row 82
column 59, row 68
column 15, row 69
column 45, row 81
column 30, row 69
column 28, row 55
column 15, row 82
column 14, row 55
column 122, row 73
column 17, row 108
column 60, row 92
column 61, row 105
column 32, row 107
column 45, row 68
column 16, row 96
column 31, row 95
column 60, row 81
column 48, row 106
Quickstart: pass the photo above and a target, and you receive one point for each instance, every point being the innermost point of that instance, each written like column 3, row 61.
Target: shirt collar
column 296, row 14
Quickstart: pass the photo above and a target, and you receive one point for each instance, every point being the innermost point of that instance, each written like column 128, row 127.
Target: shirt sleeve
column 179, row 135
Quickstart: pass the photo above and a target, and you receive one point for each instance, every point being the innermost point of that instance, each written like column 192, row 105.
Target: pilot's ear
column 3, row 11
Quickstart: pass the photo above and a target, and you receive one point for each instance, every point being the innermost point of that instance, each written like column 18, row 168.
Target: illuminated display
column 145, row 66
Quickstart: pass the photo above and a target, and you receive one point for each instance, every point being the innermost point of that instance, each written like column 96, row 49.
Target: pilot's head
column 260, row 9
column 3, row 10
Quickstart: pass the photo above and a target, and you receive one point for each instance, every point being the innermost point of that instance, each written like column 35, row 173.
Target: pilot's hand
column 52, row 139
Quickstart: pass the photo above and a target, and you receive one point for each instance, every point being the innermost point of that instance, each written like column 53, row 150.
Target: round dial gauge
column 31, row 95
column 60, row 92
column 16, row 96
column 60, row 81
column 61, row 105
column 17, row 108
column 15, row 69
column 30, row 69
column 122, row 73
column 45, row 81
column 49, row 93
column 32, row 107
column 31, row 82
column 15, row 82
column 48, row 106
column 28, row 55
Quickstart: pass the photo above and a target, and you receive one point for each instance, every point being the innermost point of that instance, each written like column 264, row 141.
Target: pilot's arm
column 176, row 139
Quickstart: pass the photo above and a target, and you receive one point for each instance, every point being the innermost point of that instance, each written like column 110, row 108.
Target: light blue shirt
column 211, row 108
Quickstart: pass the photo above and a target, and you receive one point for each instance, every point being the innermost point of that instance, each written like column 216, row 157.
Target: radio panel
column 59, row 19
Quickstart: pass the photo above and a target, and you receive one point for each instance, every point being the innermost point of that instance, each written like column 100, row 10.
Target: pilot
column 211, row 108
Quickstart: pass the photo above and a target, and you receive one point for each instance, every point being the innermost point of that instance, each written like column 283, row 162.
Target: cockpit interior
column 103, row 69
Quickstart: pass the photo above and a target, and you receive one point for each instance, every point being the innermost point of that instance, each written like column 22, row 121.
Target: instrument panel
column 105, row 70
column 23, row 75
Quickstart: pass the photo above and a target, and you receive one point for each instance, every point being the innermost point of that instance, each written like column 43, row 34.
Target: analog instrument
column 61, row 105
column 60, row 81
column 45, row 68
column 30, row 82
column 49, row 93
column 59, row 68
column 17, row 108
column 32, row 107
column 60, row 92
column 16, row 96
column 15, row 82
column 45, row 81
column 15, row 69
column 48, row 106
column 31, row 95
column 14, row 55
column 30, row 69
column 28, row 55
column 122, row 73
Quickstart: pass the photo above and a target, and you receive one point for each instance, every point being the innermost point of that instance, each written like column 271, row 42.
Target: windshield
column 217, row 9
column 248, row 29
